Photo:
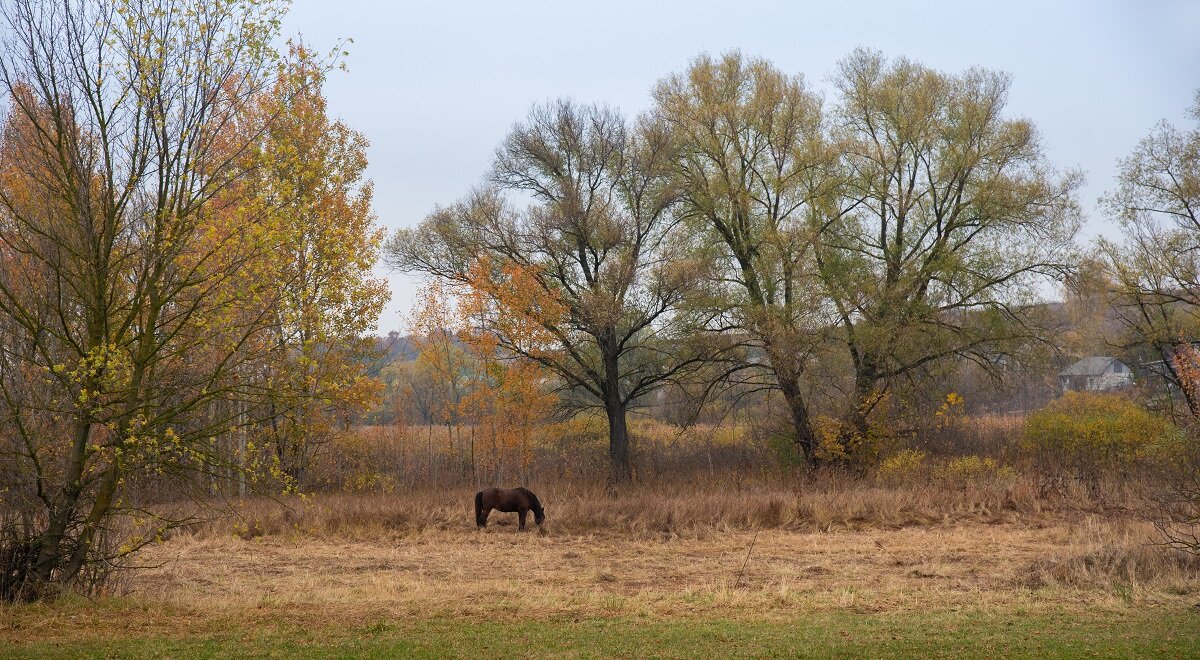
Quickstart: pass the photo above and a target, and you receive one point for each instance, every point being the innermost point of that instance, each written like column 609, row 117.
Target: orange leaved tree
column 443, row 367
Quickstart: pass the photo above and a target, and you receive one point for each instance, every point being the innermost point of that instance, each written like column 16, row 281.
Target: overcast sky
column 435, row 86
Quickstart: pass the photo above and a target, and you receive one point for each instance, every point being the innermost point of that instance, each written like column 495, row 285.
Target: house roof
column 1089, row 366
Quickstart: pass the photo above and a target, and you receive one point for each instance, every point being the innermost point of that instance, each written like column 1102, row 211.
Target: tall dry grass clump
column 1121, row 552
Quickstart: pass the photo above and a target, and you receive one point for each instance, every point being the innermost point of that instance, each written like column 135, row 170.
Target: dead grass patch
column 1123, row 555
column 203, row 581
column 824, row 544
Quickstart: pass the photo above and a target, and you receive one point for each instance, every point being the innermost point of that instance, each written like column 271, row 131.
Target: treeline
column 859, row 258
column 746, row 235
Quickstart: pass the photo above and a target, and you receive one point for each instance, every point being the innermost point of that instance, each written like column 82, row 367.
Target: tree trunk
column 620, row 470
column 787, row 372
column 101, row 508
column 242, row 445
column 63, row 508
column 800, row 420
column 866, row 389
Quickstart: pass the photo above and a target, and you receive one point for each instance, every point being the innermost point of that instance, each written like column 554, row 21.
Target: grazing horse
column 520, row 500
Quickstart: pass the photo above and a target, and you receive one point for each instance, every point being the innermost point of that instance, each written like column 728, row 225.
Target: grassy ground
column 977, row 582
column 826, row 634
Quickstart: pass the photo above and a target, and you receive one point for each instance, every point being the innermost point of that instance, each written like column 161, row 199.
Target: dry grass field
column 763, row 570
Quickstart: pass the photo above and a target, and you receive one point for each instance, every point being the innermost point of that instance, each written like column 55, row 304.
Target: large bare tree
column 593, row 266
column 948, row 222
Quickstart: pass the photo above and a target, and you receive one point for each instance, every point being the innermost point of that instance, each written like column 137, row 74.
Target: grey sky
column 435, row 86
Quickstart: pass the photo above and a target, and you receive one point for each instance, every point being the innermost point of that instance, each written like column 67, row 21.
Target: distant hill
column 395, row 348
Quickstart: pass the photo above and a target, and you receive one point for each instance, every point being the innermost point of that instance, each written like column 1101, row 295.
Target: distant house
column 1096, row 374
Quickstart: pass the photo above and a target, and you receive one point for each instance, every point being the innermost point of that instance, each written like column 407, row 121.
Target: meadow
column 752, row 562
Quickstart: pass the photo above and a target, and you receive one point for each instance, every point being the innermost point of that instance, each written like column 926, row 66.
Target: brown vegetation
column 687, row 507
column 719, row 528
column 660, row 552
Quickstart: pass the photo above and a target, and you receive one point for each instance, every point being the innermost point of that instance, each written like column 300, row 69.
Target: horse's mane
column 537, row 504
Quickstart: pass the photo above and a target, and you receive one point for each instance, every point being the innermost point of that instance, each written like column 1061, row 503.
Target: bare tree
column 754, row 170
column 1157, row 267
column 588, row 280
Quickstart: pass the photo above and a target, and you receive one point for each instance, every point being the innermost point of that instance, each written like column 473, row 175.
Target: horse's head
column 534, row 505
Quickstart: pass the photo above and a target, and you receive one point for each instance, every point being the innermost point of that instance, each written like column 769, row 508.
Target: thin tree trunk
column 241, row 449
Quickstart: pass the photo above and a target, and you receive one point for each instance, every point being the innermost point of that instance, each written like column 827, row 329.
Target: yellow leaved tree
column 305, row 183
column 127, row 325
column 510, row 394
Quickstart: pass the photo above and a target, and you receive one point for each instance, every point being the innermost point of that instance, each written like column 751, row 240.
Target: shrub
column 838, row 441
column 784, row 450
column 1090, row 431
column 900, row 466
column 352, row 466
column 966, row 470
column 588, row 429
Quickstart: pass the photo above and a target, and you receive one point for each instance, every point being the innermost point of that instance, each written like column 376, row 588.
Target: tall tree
column 305, row 186
column 948, row 219
column 587, row 281
column 1157, row 268
column 508, row 395
column 754, row 169
column 442, row 361
column 132, row 304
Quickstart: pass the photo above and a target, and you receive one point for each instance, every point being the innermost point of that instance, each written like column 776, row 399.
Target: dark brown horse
column 520, row 500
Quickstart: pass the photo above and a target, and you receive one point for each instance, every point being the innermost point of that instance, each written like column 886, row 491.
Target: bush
column 900, row 467
column 968, row 470
column 352, row 465
column 784, row 450
column 906, row 465
column 839, row 442
column 1179, row 502
column 1089, row 432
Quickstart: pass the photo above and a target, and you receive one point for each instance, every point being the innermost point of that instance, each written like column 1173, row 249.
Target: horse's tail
column 478, row 506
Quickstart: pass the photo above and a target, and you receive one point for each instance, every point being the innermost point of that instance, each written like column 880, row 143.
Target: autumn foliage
column 187, row 243
column 743, row 280
column 501, row 401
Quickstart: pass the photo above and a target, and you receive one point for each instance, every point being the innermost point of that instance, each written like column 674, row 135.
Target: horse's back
column 507, row 500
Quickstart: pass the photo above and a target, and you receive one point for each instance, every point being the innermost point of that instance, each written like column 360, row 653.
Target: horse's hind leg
column 521, row 516
column 481, row 522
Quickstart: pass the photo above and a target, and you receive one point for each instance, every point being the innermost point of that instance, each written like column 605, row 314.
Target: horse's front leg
column 521, row 516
